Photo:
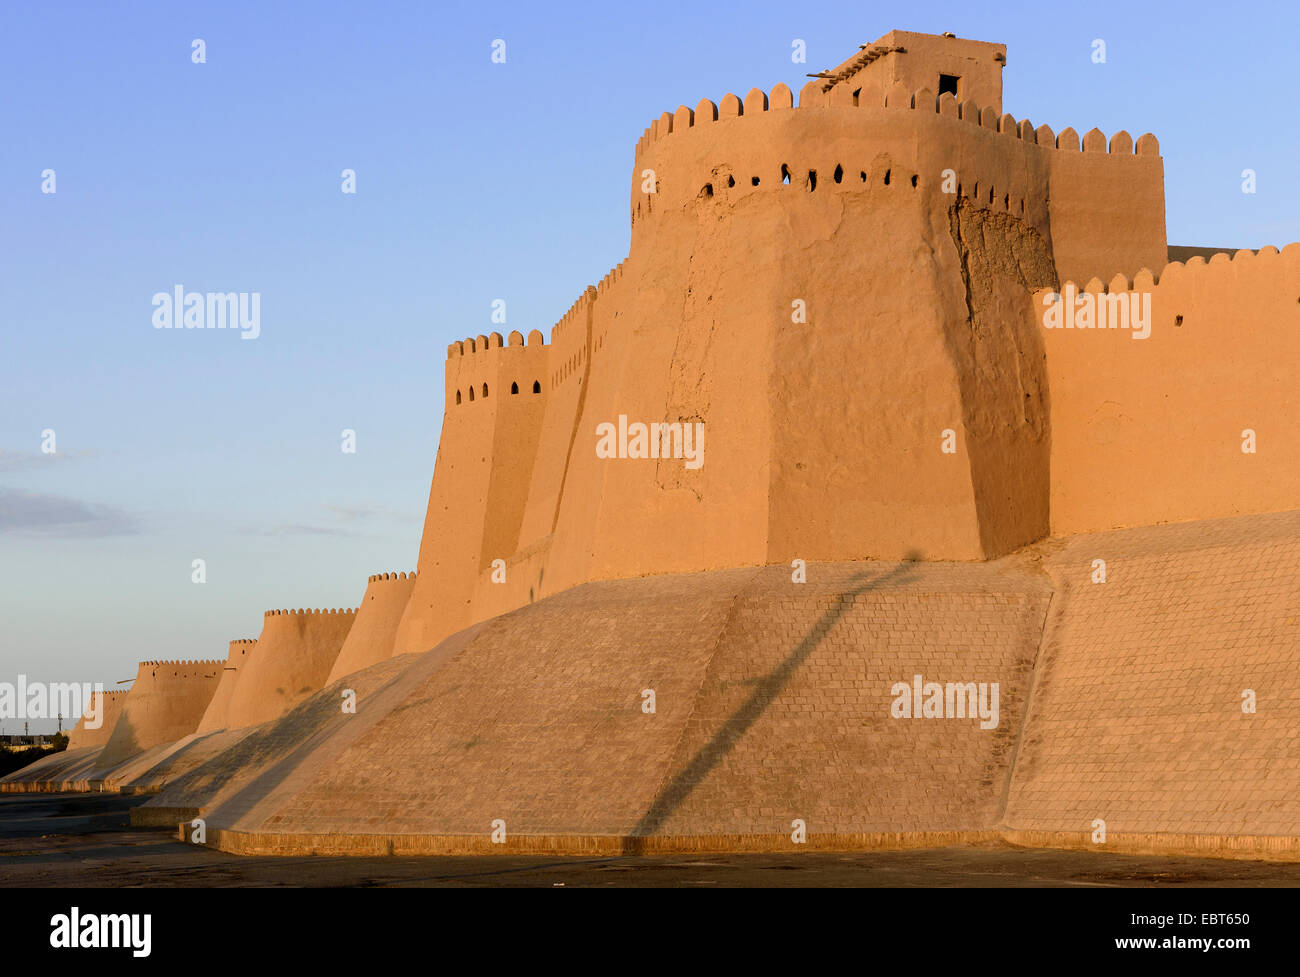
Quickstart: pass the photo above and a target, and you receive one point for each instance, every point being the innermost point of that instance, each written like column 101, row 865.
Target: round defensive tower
column 165, row 703
column 293, row 657
column 217, row 715
column 370, row 639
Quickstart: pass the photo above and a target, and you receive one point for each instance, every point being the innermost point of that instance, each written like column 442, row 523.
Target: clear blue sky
column 475, row 181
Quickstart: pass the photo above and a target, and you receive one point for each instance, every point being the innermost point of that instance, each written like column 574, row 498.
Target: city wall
column 766, row 297
column 217, row 715
column 292, row 659
column 109, row 705
column 1152, row 430
column 165, row 703
column 373, row 631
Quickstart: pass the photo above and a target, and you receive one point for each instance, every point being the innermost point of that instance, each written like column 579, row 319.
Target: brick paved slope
column 264, row 757
column 772, row 703
column 52, row 773
column 1118, row 700
column 1136, row 715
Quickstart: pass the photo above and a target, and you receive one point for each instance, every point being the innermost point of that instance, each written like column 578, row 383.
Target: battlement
column 240, row 647
column 154, row 663
column 391, row 576
column 1173, row 273
column 165, row 703
column 611, row 276
column 485, row 365
column 706, row 111
column 294, row 654
column 1099, row 199
column 482, row 344
column 896, row 97
column 993, row 172
column 562, row 333
column 1197, row 364
column 576, row 314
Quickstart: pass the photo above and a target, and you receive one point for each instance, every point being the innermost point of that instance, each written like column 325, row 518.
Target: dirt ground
column 85, row 840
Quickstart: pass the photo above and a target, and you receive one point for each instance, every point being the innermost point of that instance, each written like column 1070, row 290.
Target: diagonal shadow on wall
column 734, row 727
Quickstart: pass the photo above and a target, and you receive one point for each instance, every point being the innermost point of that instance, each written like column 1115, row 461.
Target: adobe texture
column 762, row 690
column 373, row 631
column 907, row 229
column 292, row 659
column 166, row 701
column 104, row 709
column 1119, row 700
column 217, row 715
column 832, row 292
column 1151, row 431
column 1137, row 714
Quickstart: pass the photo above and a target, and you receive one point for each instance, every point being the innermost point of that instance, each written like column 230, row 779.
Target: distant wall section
column 294, row 655
column 108, row 707
column 166, row 702
column 217, row 715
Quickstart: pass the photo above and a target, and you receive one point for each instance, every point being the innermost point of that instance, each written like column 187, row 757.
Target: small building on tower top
column 937, row 62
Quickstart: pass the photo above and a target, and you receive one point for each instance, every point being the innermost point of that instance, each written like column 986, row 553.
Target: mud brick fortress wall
column 918, row 230
column 217, row 715
column 166, row 702
column 292, row 659
column 1148, row 431
column 370, row 638
column 108, row 705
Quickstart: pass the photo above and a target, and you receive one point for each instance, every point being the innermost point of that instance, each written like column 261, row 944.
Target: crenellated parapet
column 925, row 101
column 370, row 639
column 1186, row 369
column 482, row 344
column 745, row 151
column 480, row 368
column 571, row 337
column 611, row 276
column 166, row 702
column 295, row 652
column 1282, row 267
column 946, row 104
column 239, row 649
column 475, row 362
column 706, row 112
column 159, row 662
